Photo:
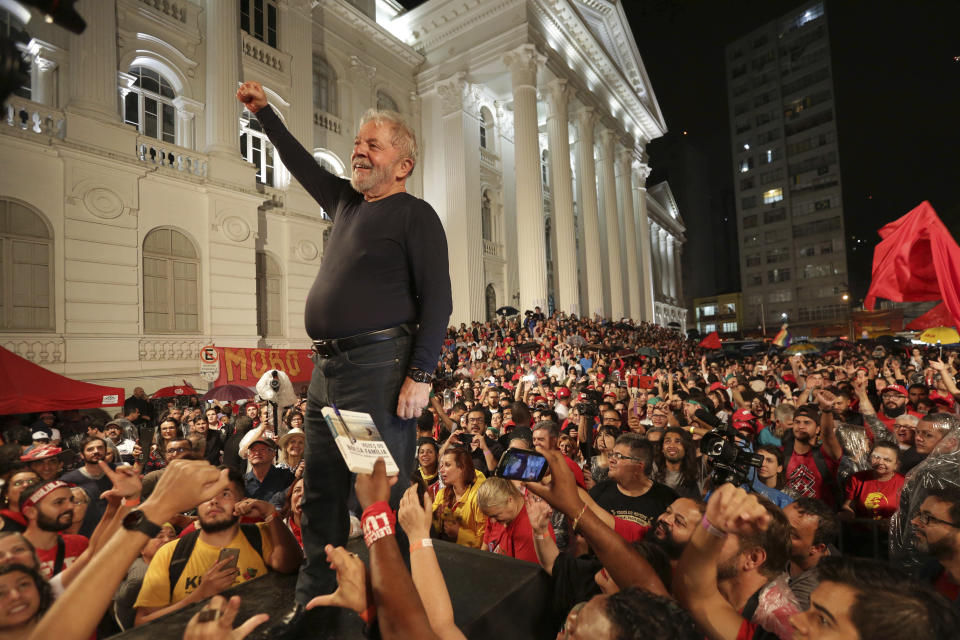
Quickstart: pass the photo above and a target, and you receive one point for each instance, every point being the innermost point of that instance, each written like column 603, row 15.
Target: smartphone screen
column 232, row 554
column 146, row 441
column 520, row 464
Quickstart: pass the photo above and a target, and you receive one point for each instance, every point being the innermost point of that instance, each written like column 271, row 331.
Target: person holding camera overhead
column 377, row 312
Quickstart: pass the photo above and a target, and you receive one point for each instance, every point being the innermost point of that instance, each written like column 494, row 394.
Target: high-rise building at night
column 783, row 132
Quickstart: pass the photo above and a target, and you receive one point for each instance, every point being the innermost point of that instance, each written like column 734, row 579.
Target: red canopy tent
column 27, row 387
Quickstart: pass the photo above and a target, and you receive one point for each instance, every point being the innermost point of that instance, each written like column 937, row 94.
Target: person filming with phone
column 220, row 554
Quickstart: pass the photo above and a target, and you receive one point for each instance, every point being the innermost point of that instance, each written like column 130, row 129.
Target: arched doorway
column 491, row 298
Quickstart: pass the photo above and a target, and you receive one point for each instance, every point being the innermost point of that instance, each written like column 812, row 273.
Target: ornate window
column 256, row 149
column 148, row 105
column 386, row 103
column 26, row 253
column 486, row 216
column 259, row 19
column 324, row 85
column 269, row 296
column 171, row 283
column 13, row 28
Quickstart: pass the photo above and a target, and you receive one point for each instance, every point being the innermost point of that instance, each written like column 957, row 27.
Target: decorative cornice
column 431, row 26
column 566, row 29
column 369, row 28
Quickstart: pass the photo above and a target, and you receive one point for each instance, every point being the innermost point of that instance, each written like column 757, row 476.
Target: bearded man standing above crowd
column 377, row 313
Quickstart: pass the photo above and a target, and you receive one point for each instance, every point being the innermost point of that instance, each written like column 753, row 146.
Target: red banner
column 245, row 366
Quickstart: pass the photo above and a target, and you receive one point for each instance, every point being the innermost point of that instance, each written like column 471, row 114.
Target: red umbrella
column 172, row 392
column 229, row 392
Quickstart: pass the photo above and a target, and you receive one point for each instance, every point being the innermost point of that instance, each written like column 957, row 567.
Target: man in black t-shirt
column 629, row 493
column 377, row 313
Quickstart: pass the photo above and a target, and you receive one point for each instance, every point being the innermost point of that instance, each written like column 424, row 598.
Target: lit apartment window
column 729, row 327
column 772, row 195
column 148, row 105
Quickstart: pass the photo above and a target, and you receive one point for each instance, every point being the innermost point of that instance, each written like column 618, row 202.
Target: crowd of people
column 690, row 493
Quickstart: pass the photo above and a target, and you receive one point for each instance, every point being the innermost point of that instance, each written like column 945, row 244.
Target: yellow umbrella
column 940, row 335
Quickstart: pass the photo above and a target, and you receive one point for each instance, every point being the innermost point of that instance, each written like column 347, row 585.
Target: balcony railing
column 32, row 117
column 171, row 157
column 327, row 121
column 492, row 248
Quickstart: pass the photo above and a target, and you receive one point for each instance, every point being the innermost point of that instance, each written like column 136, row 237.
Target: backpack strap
column 252, row 533
column 61, row 555
column 181, row 554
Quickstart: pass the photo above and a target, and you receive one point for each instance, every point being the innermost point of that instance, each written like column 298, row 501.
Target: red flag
column 936, row 317
column 917, row 260
column 712, row 341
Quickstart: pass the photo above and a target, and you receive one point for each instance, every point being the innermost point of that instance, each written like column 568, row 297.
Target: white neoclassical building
column 143, row 213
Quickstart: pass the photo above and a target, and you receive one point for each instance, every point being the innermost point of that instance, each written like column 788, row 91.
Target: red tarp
column 26, row 387
column 712, row 341
column 917, row 260
column 939, row 316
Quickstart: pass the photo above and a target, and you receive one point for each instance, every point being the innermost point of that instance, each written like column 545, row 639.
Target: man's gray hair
column 404, row 139
column 907, row 419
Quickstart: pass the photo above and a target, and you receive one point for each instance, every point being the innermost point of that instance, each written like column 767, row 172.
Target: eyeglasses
column 29, row 482
column 616, row 455
column 176, row 450
column 925, row 518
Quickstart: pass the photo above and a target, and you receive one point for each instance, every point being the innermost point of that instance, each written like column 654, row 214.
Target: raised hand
column 252, row 95
column 374, row 487
column 414, row 517
column 539, row 512
column 733, row 510
column 352, row 587
column 126, row 481
column 215, row 621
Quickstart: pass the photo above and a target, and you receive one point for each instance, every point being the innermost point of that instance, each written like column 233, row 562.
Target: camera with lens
column 730, row 462
column 465, row 439
column 589, row 403
column 275, row 382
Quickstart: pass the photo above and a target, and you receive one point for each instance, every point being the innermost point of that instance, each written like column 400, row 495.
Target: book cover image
column 359, row 440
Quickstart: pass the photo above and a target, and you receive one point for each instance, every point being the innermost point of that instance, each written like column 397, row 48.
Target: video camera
column 730, row 462
column 590, row 405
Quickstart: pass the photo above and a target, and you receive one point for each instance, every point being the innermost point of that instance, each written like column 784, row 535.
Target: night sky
column 897, row 90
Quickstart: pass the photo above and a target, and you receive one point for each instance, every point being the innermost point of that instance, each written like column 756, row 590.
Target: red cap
column 743, row 415
column 895, row 388
column 41, row 453
column 717, row 385
column 789, row 377
column 563, row 392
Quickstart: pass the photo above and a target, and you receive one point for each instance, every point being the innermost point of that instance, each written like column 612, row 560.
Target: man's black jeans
column 366, row 379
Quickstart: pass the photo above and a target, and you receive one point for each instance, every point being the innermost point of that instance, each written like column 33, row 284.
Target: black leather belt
column 336, row 346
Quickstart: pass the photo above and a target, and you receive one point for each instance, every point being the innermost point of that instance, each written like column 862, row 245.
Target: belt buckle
column 325, row 348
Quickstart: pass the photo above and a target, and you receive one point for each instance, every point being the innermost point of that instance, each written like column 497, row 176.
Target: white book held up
column 359, row 440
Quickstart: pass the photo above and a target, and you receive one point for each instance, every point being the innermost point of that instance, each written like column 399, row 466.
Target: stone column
column 678, row 269
column 187, row 111
column 461, row 143
column 48, row 59
column 565, row 259
column 657, row 270
column 295, row 31
column 532, row 259
column 93, row 62
column 362, row 90
column 640, row 173
column 672, row 266
column 664, row 263
column 613, row 223
column 587, row 179
column 635, row 295
column 223, row 65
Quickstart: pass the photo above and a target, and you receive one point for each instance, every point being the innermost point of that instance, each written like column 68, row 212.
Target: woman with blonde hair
column 508, row 529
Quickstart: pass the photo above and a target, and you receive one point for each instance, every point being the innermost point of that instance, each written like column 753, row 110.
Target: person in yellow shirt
column 456, row 515
column 201, row 571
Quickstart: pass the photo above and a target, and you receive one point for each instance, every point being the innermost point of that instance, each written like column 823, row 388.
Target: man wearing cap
column 893, row 400
column 265, row 481
column 43, row 460
column 811, row 469
column 48, row 508
column 562, row 407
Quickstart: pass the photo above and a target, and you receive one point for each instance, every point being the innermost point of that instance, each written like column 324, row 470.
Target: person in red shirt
column 48, row 508
column 875, row 493
column 812, row 469
column 508, row 529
